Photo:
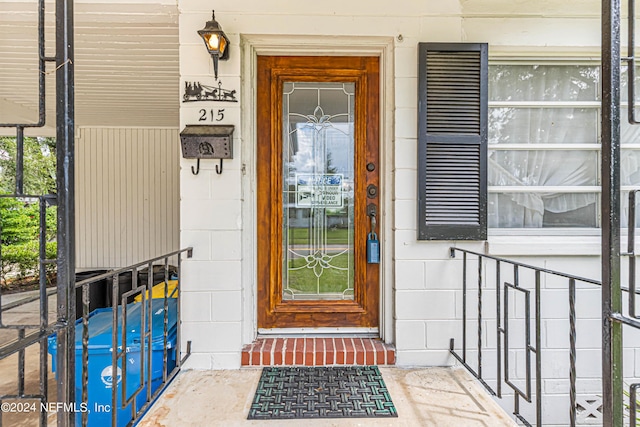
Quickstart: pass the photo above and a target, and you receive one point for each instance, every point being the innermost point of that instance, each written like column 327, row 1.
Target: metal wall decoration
column 196, row 91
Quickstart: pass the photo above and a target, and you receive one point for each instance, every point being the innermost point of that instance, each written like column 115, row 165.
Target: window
column 539, row 166
column 544, row 146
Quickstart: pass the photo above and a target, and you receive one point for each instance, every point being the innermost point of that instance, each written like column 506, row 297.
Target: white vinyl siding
column 127, row 195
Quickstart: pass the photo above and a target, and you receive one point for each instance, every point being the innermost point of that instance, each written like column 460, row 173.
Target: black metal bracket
column 196, row 171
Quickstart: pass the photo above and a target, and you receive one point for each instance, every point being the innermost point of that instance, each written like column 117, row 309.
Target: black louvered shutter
column 452, row 141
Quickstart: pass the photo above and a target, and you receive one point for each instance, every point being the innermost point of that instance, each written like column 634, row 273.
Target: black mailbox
column 207, row 142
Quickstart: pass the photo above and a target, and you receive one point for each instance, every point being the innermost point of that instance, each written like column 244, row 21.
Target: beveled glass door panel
column 317, row 128
column 318, row 178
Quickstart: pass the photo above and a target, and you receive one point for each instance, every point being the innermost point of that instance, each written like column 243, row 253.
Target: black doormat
column 292, row 392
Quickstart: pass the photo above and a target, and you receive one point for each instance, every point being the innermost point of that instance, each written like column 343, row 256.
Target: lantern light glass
column 216, row 42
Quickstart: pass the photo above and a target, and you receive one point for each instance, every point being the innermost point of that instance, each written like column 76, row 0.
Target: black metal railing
column 628, row 406
column 154, row 295
column 631, row 319
column 65, row 200
column 66, row 404
column 30, row 332
column 148, row 386
column 506, row 279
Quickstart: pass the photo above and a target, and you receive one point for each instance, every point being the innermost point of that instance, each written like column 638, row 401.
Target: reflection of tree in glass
column 543, row 83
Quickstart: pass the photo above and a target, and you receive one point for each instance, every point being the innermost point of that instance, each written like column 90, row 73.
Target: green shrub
column 23, row 258
column 20, row 217
column 20, row 230
column 39, row 165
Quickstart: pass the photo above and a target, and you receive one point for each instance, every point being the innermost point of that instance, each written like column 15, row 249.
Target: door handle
column 372, row 212
column 373, row 244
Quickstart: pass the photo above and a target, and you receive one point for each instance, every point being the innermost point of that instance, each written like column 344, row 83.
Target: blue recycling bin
column 100, row 369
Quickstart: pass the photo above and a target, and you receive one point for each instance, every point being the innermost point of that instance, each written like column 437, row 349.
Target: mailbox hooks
column 197, row 170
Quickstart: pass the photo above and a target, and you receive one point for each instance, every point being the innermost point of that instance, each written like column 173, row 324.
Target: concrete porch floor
column 423, row 397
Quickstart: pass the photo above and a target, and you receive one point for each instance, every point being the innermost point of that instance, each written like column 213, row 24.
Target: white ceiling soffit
column 528, row 8
column 126, row 63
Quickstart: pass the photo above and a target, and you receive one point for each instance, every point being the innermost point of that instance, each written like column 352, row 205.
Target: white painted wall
column 219, row 283
column 127, row 195
column 212, row 205
column 422, row 284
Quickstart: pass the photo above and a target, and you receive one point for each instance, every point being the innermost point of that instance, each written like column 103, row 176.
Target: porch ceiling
column 126, row 63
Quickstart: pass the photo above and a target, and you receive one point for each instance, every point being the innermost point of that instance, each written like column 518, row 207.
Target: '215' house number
column 211, row 115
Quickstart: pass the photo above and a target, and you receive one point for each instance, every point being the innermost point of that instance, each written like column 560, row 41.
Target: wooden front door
column 318, row 191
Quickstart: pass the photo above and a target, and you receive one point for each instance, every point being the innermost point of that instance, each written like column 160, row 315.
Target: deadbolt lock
column 372, row 191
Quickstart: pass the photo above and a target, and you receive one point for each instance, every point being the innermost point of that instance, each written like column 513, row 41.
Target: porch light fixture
column 216, row 41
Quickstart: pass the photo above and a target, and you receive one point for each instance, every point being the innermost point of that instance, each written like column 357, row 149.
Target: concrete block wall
column 212, row 205
column 216, row 210
column 211, row 215
column 211, row 298
column 218, row 284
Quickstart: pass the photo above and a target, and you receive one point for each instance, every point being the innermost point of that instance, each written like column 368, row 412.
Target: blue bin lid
column 101, row 324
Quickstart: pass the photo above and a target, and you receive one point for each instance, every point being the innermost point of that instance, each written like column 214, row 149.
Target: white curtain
column 549, row 123
column 542, row 168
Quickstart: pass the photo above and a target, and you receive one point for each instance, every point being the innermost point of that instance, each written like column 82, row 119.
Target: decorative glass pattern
column 318, row 177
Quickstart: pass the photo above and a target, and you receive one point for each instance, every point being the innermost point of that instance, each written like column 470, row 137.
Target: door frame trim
column 284, row 45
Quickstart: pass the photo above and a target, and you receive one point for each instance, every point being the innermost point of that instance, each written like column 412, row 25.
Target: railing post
column 44, row 307
column 480, row 316
column 610, row 171
column 464, row 307
column 499, row 332
column 572, row 352
column 631, row 252
column 66, row 199
column 538, row 311
column 20, row 160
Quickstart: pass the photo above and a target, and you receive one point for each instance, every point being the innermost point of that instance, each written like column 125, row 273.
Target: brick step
column 318, row 352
